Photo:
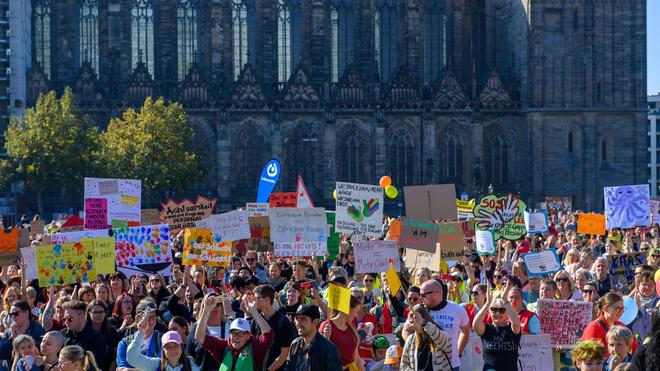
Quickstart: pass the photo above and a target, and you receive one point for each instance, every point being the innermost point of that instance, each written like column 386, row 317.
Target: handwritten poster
column 144, row 249
column 30, row 259
column 655, row 211
column 339, row 298
column 622, row 270
column 485, row 242
column 591, row 224
column 535, row 353
column 418, row 234
column 376, row 256
column 303, row 249
column 65, row 237
column 184, row 214
column 298, row 225
column 283, row 199
column 536, row 222
column 559, row 203
column 96, row 213
column 122, row 200
column 504, row 216
column 9, row 245
column 563, row 320
column 200, row 248
column 103, row 249
column 450, row 238
column 359, row 209
column 541, row 263
column 259, row 234
column 627, row 206
column 230, row 226
column 464, row 209
column 66, row 263
column 257, row 208
column 416, row 259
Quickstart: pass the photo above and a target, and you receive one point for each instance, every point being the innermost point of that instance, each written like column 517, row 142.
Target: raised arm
column 478, row 325
column 207, row 306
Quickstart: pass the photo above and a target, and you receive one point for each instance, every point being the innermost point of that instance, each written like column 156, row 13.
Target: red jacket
column 598, row 330
column 525, row 315
column 260, row 345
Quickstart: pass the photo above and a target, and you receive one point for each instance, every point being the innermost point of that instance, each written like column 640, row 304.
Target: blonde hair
column 19, row 340
column 74, row 353
column 588, row 350
column 617, row 333
column 56, row 335
column 16, row 291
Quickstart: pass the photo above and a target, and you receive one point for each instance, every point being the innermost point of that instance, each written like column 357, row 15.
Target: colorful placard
column 485, row 242
column 464, row 209
column 200, row 248
column 122, row 201
column 339, row 298
column 418, row 234
column 145, row 249
column 627, row 206
column 230, row 226
column 563, row 320
column 359, row 209
column 450, row 238
column 333, row 237
column 96, row 213
column 541, row 263
column 376, row 256
column 591, row 224
column 257, row 208
column 504, row 216
column 622, row 270
column 66, row 263
column 185, row 214
column 104, row 254
column 298, row 225
column 395, row 230
column 283, row 199
column 302, row 249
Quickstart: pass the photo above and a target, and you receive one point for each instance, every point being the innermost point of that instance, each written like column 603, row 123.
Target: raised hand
column 144, row 324
column 509, row 208
column 489, row 220
column 327, row 331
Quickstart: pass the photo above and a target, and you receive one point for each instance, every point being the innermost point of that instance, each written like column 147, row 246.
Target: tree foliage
column 153, row 145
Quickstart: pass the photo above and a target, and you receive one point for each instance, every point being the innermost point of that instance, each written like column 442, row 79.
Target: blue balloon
column 269, row 176
column 629, row 311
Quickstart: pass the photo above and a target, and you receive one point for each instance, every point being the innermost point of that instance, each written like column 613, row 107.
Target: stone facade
column 540, row 97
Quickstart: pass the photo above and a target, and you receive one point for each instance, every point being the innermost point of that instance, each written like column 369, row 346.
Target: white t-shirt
column 451, row 318
column 217, row 332
column 144, row 347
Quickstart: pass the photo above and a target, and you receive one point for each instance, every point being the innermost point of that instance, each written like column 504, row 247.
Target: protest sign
column 468, row 228
column 503, row 215
column 655, row 211
column 359, row 209
column 283, row 199
column 298, row 225
column 558, row 203
column 535, row 353
column 450, row 238
column 627, row 206
column 149, row 216
column 257, row 208
column 269, row 176
column 66, row 263
column 230, row 226
column 303, row 249
column 416, row 259
column 199, row 248
column 303, row 199
column 333, row 237
column 536, row 222
column 376, row 256
column 259, row 234
column 622, row 270
column 65, row 237
column 185, row 214
column 339, row 298
column 9, row 246
column 30, row 260
column 563, row 320
column 418, row 234
column 122, row 201
column 541, row 263
column 104, row 254
column 144, row 249
column 431, row 202
column 37, row 227
column 395, row 230
column 485, row 242
column 393, row 280
column 591, row 224
column 464, row 209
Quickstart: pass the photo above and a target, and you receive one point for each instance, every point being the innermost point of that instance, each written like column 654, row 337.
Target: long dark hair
column 24, row 306
column 184, row 360
column 106, row 327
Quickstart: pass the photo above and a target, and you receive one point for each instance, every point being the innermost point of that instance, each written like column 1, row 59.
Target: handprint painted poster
column 201, row 248
column 65, row 263
column 627, row 206
column 504, row 216
column 143, row 249
column 359, row 209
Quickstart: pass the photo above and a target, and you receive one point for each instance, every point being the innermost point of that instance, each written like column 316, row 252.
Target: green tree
column 154, row 145
column 51, row 146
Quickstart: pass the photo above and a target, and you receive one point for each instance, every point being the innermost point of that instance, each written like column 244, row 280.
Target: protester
column 23, row 322
column 565, row 288
column 427, row 346
column 310, row 351
column 97, row 317
column 619, row 343
column 610, row 308
column 529, row 321
column 589, row 355
column 647, row 356
column 341, row 332
column 76, row 358
column 647, row 299
column 501, row 339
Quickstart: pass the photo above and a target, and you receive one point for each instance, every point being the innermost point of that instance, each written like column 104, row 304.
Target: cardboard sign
column 622, row 270
column 200, row 249
column 655, row 211
column 504, row 216
column 66, row 263
column 464, row 209
column 359, row 209
column 283, row 199
column 9, row 241
column 104, row 254
column 468, row 228
column 535, row 353
column 149, row 216
column 230, row 226
column 418, row 234
column 333, row 237
column 416, row 259
column 122, row 201
column 303, row 249
column 591, row 224
column 563, row 320
column 627, row 206
column 259, row 234
column 145, row 249
column 37, row 227
column 536, row 222
column 395, row 230
column 257, row 208
column 541, row 263
column 30, row 260
column 339, row 298
column 450, row 238
column 376, row 256
column 485, row 242
column 185, row 214
column 298, row 225
column 431, row 202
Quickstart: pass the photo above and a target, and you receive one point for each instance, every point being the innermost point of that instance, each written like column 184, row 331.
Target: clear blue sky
column 653, row 46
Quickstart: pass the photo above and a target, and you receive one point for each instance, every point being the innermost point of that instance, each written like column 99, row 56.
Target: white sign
column 535, row 353
column 655, row 211
column 359, row 209
column 67, row 237
column 257, row 208
column 376, row 256
column 124, row 197
column 298, row 225
column 300, row 249
column 30, row 260
column 230, row 226
column 536, row 222
column 541, row 263
column 485, row 242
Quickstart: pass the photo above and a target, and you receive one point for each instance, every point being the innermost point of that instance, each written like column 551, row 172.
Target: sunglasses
column 589, row 291
column 413, row 298
column 250, row 259
column 474, row 293
column 368, row 280
column 14, row 314
column 498, row 310
column 562, row 279
column 425, row 294
column 498, row 276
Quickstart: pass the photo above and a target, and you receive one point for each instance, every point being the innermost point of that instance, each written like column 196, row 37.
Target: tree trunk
column 40, row 203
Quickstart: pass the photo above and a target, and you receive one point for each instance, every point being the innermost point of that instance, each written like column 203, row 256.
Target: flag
column 302, row 196
column 269, row 176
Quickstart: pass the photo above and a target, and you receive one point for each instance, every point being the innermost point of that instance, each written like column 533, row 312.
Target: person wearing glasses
column 157, row 290
column 98, row 318
column 21, row 322
column 654, row 257
column 610, row 309
column 79, row 332
column 75, row 358
column 501, row 339
column 478, row 295
column 590, row 294
column 253, row 264
column 566, row 291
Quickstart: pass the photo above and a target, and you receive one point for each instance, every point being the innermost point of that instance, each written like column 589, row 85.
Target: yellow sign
column 339, row 298
column 393, row 280
column 200, row 249
column 104, row 255
column 591, row 224
column 65, row 263
column 130, row 200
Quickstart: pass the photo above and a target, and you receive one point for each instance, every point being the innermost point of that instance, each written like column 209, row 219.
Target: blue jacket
column 155, row 348
column 34, row 329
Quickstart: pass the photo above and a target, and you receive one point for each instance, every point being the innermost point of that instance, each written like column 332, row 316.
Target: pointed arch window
column 243, row 24
column 499, row 160
column 88, row 13
column 302, row 153
column 385, row 36
column 186, row 28
column 351, row 156
column 289, row 34
column 248, row 158
column 142, row 34
column 401, row 156
column 435, row 38
column 341, row 40
column 451, row 159
column 41, row 34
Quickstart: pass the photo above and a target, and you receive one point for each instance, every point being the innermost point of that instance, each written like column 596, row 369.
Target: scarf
column 244, row 361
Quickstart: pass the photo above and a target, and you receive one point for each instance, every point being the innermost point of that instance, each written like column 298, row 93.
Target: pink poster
column 96, row 213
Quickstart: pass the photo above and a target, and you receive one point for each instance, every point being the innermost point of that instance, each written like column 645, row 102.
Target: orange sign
column 283, row 199
column 591, row 224
column 395, row 230
column 9, row 240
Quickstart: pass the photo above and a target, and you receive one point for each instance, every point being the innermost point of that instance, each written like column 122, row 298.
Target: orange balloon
column 385, row 181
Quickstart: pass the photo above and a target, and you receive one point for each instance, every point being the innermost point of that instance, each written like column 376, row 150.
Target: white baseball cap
column 240, row 324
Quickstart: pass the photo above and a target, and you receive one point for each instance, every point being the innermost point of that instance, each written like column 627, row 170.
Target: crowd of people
column 265, row 312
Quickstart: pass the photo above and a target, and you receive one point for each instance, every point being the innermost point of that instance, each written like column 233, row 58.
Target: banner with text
column 359, row 209
column 230, row 226
column 563, row 320
column 418, row 234
column 122, row 201
column 376, row 256
column 185, row 214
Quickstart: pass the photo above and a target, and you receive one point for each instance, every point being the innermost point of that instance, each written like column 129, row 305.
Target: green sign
column 504, row 215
